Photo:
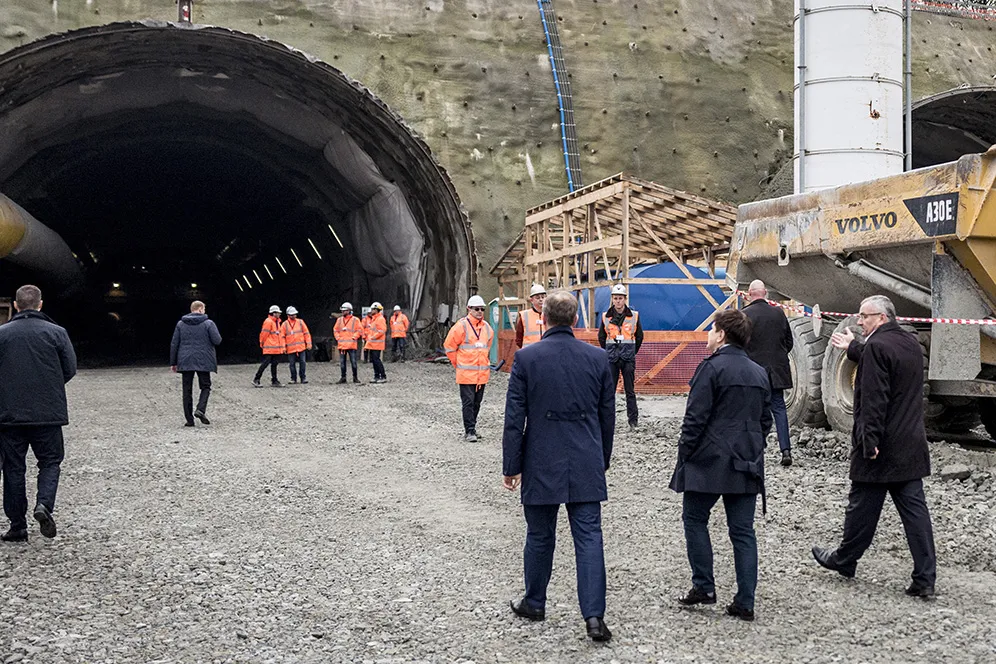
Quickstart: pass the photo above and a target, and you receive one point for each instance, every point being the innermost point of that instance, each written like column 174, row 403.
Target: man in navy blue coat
column 721, row 454
column 559, row 423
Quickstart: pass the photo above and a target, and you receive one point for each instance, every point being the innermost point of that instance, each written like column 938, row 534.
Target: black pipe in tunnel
column 182, row 163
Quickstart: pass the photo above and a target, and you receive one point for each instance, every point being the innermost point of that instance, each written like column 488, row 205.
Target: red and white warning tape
column 799, row 309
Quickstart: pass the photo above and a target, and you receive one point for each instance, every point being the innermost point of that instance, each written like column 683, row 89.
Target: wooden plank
column 708, row 321
column 580, row 201
column 625, row 234
column 677, row 261
column 608, row 243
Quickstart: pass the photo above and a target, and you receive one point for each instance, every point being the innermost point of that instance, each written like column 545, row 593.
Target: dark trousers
column 780, row 416
column 471, row 397
column 864, row 508
column 273, row 361
column 299, row 358
column 541, row 539
column 628, row 369
column 47, row 445
column 398, row 345
column 351, row 353
column 740, row 508
column 378, row 364
column 203, row 382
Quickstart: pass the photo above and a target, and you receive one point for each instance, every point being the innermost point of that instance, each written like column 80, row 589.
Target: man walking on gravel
column 889, row 452
column 36, row 362
column 192, row 351
column 468, row 347
column 721, row 455
column 770, row 344
column 559, row 422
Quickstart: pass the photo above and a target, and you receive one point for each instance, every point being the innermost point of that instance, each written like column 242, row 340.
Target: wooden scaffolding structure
column 594, row 236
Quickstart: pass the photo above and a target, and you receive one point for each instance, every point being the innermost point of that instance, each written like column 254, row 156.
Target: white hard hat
column 537, row 289
column 291, row 311
column 397, row 307
column 274, row 309
column 619, row 289
column 345, row 306
column 376, row 305
column 475, row 301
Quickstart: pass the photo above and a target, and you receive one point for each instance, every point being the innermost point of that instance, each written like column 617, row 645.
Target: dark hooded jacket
column 36, row 361
column 194, row 340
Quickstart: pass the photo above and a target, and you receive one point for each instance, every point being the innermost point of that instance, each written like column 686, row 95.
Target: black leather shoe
column 304, row 382
column 188, row 424
column 787, row 458
column 355, row 379
column 916, row 590
column 697, row 596
column 255, row 383
column 202, row 417
column 827, row 558
column 342, row 381
column 276, row 383
column 15, row 536
column 44, row 518
column 597, row 629
column 740, row 612
column 522, row 609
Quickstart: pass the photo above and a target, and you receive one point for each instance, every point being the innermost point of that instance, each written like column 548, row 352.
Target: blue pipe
column 560, row 97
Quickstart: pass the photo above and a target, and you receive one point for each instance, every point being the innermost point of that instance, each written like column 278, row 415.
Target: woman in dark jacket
column 193, row 351
column 721, row 453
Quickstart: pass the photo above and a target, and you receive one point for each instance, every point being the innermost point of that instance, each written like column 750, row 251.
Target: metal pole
column 801, row 129
column 908, row 85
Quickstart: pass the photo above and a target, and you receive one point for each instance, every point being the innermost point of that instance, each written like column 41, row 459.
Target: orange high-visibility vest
column 623, row 335
column 347, row 330
column 399, row 326
column 376, row 332
column 469, row 348
column 532, row 327
column 271, row 338
column 296, row 335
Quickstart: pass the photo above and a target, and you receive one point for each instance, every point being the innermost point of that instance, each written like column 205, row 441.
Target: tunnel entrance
column 185, row 162
column 953, row 123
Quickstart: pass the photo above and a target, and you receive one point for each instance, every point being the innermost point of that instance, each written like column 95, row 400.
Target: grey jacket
column 194, row 340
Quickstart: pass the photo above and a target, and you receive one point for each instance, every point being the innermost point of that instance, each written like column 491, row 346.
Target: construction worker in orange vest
column 348, row 330
column 620, row 334
column 377, row 340
column 365, row 323
column 529, row 327
column 468, row 345
column 298, row 340
column 399, row 334
column 271, row 340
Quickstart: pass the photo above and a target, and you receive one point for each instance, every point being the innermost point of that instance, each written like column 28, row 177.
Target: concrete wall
column 695, row 94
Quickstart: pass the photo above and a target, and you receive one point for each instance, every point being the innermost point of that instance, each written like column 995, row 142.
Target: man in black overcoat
column 770, row 345
column 191, row 352
column 559, row 422
column 36, row 361
column 889, row 444
column 721, row 455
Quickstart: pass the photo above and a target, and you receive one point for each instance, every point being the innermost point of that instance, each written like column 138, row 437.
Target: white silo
column 848, row 91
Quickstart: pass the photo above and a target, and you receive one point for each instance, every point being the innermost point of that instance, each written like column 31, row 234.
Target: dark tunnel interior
column 245, row 175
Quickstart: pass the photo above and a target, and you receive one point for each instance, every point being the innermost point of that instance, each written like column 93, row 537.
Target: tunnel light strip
column 280, row 264
column 268, row 271
column 258, row 278
column 248, row 283
column 315, row 248
column 336, row 236
column 296, row 258
column 239, row 284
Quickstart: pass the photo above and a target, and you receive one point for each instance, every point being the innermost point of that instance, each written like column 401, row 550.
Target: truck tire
column 838, row 375
column 988, row 416
column 804, row 401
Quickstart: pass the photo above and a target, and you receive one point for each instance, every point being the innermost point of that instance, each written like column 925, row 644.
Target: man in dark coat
column 721, row 454
column 770, row 344
column 36, row 361
column 889, row 445
column 193, row 352
column 559, row 424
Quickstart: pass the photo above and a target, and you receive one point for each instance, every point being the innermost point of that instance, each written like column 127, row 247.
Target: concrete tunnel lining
column 77, row 101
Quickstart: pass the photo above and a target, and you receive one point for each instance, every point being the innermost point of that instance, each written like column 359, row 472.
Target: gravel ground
column 350, row 523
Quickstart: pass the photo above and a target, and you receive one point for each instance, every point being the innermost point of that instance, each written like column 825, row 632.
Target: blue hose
column 560, row 97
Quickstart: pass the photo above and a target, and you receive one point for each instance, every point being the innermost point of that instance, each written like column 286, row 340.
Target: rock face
column 695, row 95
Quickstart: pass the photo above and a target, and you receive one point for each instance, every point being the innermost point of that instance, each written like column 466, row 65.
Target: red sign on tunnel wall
column 666, row 362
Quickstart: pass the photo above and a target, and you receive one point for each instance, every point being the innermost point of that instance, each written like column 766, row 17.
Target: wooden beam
column 625, row 234
column 599, row 194
column 608, row 243
column 725, row 305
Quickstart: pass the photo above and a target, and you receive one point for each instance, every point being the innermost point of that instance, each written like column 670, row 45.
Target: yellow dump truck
column 925, row 238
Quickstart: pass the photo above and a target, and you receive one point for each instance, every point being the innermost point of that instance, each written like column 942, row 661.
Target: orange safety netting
column 665, row 364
